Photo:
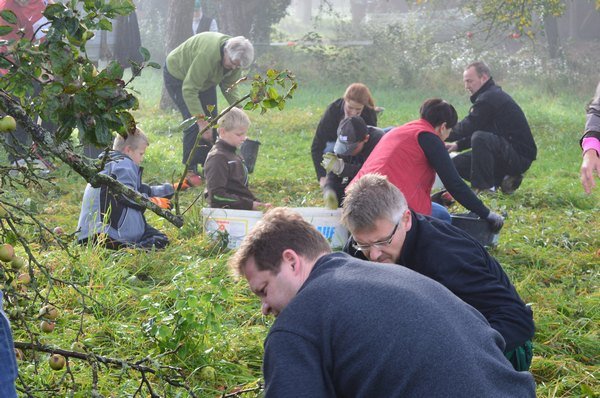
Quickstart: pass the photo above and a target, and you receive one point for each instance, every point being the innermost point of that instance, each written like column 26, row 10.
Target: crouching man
column 385, row 230
column 351, row 328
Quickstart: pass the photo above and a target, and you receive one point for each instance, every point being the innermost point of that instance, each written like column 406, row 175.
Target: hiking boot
column 193, row 179
column 510, row 184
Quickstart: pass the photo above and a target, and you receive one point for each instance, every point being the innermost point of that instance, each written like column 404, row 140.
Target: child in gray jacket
column 114, row 220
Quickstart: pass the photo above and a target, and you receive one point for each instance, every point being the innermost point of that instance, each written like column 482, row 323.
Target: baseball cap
column 351, row 132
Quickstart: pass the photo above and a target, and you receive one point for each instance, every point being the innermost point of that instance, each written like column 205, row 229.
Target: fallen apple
column 7, row 252
column 48, row 312
column 19, row 354
column 24, row 279
column 208, row 373
column 57, row 362
column 78, row 346
column 17, row 263
column 58, row 231
column 7, row 124
column 47, row 326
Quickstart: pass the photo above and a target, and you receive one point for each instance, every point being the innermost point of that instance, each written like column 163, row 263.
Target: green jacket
column 198, row 63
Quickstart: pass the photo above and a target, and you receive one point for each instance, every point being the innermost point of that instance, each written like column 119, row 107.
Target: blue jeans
column 8, row 360
column 440, row 212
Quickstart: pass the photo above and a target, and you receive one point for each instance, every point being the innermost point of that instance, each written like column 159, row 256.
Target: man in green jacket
column 192, row 72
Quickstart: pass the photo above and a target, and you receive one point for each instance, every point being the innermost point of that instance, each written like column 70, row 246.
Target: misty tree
column 523, row 17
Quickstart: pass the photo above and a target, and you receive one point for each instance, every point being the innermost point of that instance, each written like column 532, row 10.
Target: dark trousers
column 490, row 159
column 338, row 184
column 207, row 98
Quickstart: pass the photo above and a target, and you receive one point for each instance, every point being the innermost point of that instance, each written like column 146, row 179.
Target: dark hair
column 437, row 111
column 280, row 229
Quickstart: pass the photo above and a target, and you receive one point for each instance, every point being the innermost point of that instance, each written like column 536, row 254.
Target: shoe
column 193, row 179
column 510, row 184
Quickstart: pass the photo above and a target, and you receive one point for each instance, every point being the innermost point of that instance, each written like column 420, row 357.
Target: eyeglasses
column 378, row 245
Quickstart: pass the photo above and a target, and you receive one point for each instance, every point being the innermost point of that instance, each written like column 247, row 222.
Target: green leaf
column 145, row 54
column 4, row 30
column 187, row 123
column 105, row 24
column 9, row 16
column 273, row 94
column 153, row 65
column 53, row 11
column 249, row 106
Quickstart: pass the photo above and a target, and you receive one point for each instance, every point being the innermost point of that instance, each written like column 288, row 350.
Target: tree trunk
column 304, row 10
column 551, row 28
column 179, row 27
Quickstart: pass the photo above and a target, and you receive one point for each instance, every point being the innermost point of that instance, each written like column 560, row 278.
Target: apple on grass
column 57, row 361
column 47, row 326
column 49, row 312
column 7, row 252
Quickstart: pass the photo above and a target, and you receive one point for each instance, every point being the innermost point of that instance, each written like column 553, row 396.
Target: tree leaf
column 4, row 30
column 153, row 65
column 145, row 53
column 8, row 16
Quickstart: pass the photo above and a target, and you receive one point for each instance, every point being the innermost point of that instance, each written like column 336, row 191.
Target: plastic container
column 327, row 222
column 249, row 152
column 235, row 224
column 478, row 228
column 230, row 224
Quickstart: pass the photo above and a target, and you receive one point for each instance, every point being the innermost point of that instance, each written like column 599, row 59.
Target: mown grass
column 181, row 306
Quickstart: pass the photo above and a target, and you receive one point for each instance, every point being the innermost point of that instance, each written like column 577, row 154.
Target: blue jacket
column 117, row 216
column 362, row 329
column 452, row 257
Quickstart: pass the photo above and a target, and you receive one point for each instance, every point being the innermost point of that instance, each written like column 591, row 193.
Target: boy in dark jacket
column 114, row 220
column 225, row 171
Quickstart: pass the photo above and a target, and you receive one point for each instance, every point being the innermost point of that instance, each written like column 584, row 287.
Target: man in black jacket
column 355, row 142
column 385, row 230
column 496, row 130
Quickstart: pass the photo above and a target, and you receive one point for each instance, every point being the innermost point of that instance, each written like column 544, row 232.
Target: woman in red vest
column 410, row 155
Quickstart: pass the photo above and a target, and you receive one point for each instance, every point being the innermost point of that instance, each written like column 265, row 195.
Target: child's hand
column 261, row 205
column 163, row 203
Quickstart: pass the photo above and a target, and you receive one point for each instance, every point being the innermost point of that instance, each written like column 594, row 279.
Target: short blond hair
column 134, row 141
column 234, row 119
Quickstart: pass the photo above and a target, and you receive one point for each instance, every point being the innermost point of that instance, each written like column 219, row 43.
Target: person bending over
column 352, row 328
column 385, row 230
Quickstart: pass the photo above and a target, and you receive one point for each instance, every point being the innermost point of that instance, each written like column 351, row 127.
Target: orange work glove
column 163, row 203
column 184, row 185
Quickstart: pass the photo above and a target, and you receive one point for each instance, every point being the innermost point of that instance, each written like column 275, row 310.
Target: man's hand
column 451, row 146
column 208, row 134
column 496, row 221
column 589, row 166
column 332, row 163
column 163, row 203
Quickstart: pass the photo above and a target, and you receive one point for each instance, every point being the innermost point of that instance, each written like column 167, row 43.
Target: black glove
column 496, row 221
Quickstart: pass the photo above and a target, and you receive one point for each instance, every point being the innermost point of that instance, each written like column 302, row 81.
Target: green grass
column 181, row 307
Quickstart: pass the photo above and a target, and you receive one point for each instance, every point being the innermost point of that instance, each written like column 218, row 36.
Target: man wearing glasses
column 351, row 328
column 385, row 230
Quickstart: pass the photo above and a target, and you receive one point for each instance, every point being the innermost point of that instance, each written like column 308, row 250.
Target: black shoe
column 511, row 183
